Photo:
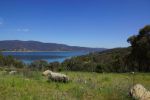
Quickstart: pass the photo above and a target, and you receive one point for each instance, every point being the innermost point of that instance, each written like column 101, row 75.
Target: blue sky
column 89, row 23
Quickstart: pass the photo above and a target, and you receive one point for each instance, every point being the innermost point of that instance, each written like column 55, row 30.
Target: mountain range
column 17, row 45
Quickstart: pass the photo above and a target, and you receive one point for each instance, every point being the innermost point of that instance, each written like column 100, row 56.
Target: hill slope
column 111, row 60
column 17, row 45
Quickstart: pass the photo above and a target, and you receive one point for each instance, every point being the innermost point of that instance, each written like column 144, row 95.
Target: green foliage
column 99, row 68
column 107, row 61
column 54, row 66
column 10, row 62
column 140, row 54
column 38, row 65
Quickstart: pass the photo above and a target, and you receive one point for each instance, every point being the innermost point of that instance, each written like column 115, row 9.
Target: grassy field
column 83, row 86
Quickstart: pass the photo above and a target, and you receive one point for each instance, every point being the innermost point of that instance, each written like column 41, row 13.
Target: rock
column 58, row 77
column 146, row 96
column 139, row 92
column 13, row 72
column 46, row 73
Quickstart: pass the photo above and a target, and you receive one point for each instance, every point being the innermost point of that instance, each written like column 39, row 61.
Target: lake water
column 28, row 57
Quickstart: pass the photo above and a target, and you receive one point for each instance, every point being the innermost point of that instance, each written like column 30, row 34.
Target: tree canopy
column 140, row 52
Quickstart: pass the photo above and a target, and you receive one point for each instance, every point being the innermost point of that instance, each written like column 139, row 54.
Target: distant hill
column 17, row 45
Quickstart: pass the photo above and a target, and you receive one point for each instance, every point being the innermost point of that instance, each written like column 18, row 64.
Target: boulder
column 13, row 72
column 46, row 73
column 139, row 92
column 58, row 77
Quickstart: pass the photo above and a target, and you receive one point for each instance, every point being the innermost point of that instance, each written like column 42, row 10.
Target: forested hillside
column 133, row 58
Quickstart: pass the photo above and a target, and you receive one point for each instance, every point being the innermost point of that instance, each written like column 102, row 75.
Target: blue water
column 28, row 57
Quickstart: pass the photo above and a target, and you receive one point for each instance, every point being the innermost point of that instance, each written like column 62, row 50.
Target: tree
column 38, row 65
column 140, row 52
column 54, row 66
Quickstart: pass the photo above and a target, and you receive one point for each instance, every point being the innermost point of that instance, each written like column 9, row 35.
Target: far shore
column 41, row 51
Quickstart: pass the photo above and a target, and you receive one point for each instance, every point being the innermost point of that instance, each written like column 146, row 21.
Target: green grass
column 83, row 86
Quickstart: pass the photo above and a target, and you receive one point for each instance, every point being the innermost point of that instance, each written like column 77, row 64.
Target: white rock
column 46, row 73
column 139, row 92
column 12, row 72
column 55, row 76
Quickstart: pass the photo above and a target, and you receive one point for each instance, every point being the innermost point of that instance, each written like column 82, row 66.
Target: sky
column 88, row 23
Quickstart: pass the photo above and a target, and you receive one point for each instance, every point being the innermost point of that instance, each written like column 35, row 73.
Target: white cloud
column 23, row 30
